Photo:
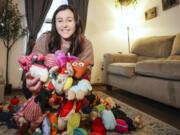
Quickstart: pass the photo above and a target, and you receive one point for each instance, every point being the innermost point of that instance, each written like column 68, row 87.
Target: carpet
column 152, row 126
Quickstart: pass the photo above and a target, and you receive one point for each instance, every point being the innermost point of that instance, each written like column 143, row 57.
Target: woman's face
column 65, row 24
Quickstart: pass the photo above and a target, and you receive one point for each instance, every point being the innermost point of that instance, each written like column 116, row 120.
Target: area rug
column 152, row 126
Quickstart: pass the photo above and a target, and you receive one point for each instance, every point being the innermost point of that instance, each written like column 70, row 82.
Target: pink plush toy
column 35, row 64
column 27, row 61
column 62, row 59
column 30, row 112
column 50, row 61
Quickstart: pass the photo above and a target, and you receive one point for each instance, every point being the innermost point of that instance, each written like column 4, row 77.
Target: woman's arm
column 41, row 45
column 31, row 84
column 87, row 55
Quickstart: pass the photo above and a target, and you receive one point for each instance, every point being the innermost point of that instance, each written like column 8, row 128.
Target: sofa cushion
column 167, row 69
column 159, row 47
column 124, row 69
column 176, row 45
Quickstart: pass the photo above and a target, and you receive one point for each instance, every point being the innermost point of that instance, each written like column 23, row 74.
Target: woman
column 66, row 35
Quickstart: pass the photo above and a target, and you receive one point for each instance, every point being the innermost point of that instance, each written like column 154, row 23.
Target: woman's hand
column 33, row 84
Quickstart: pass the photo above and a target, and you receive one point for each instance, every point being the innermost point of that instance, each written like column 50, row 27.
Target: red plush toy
column 15, row 101
column 98, row 126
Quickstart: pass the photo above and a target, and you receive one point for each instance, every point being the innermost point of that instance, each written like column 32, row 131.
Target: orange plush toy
column 54, row 122
column 79, row 68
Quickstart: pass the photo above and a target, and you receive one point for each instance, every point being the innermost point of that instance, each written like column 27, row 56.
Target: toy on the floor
column 122, row 126
column 138, row 123
column 15, row 104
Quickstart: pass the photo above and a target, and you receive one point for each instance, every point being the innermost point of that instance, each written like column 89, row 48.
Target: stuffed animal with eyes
column 79, row 68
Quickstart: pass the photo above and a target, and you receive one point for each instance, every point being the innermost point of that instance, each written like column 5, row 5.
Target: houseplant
column 125, row 2
column 13, row 31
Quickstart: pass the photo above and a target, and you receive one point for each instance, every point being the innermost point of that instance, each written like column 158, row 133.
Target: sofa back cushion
column 176, row 46
column 159, row 47
column 166, row 69
column 144, row 58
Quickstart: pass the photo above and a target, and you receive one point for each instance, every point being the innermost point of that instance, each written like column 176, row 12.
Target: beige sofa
column 151, row 70
column 2, row 86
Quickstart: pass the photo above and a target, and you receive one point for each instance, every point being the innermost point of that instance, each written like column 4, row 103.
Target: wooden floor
column 160, row 111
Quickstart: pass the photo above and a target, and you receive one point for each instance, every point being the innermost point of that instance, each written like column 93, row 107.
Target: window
column 47, row 22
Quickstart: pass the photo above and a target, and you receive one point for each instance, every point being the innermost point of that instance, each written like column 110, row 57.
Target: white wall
column 16, row 51
column 106, row 27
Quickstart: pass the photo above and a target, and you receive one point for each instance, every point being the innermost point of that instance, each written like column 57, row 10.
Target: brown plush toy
column 138, row 123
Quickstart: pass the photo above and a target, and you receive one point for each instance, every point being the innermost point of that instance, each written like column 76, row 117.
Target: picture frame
column 150, row 13
column 166, row 4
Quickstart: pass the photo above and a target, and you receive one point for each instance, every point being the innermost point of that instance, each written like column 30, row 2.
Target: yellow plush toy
column 69, row 83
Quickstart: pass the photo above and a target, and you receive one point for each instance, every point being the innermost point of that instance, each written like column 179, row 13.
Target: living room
column 111, row 29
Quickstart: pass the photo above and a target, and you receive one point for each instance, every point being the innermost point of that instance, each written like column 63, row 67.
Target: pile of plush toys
column 66, row 104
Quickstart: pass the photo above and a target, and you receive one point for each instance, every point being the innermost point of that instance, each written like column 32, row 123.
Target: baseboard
column 16, row 89
column 97, row 84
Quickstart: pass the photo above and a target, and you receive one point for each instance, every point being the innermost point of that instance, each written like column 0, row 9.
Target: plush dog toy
column 79, row 68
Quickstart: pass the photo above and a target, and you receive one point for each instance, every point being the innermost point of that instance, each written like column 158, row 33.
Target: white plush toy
column 39, row 71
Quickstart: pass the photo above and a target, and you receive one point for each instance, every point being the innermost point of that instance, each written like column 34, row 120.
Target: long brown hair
column 77, row 37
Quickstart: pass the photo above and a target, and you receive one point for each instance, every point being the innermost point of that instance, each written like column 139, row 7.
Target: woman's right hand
column 33, row 84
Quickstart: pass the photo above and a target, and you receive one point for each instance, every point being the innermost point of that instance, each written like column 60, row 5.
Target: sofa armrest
column 114, row 58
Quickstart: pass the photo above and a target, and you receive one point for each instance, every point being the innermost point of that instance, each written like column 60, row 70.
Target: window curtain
column 82, row 7
column 36, row 11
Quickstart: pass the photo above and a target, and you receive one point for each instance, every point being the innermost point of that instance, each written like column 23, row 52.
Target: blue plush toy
column 108, row 119
column 46, row 128
column 80, row 90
